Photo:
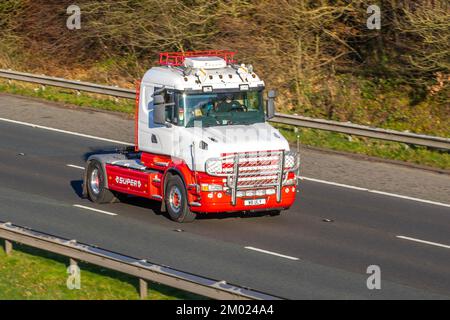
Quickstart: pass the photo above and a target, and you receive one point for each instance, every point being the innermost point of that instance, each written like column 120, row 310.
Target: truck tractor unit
column 202, row 142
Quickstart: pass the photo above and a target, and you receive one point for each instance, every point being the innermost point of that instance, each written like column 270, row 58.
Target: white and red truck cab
column 202, row 143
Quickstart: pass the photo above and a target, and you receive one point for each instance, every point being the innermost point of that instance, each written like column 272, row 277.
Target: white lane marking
column 376, row 191
column 65, row 131
column 74, row 166
column 424, row 241
column 272, row 253
column 303, row 178
column 96, row 210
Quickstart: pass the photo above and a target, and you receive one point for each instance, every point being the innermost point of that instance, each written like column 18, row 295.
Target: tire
column 95, row 183
column 177, row 201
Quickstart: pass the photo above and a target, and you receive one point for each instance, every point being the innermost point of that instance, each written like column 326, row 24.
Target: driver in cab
column 227, row 105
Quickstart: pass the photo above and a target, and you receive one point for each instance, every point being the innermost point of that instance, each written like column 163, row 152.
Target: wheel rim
column 94, row 181
column 175, row 199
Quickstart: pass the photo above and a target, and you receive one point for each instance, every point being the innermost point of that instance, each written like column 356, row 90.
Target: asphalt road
column 318, row 259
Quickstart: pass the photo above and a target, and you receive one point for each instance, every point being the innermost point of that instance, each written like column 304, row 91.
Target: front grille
column 253, row 170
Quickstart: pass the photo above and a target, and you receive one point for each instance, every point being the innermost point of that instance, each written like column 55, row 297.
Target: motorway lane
column 38, row 190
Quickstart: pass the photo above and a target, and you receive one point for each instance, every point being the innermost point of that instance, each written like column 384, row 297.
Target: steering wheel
column 239, row 108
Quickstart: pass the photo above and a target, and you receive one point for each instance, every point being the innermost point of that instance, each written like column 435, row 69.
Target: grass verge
column 30, row 273
column 310, row 137
column 68, row 96
column 368, row 146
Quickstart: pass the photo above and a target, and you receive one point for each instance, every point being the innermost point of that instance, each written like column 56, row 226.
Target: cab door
column 161, row 138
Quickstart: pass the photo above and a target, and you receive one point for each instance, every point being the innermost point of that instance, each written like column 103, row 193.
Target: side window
column 252, row 101
column 169, row 98
column 148, row 94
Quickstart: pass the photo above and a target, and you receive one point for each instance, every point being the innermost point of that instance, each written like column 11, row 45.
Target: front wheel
column 177, row 201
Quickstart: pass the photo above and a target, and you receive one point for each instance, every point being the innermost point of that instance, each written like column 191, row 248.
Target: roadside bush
column 318, row 54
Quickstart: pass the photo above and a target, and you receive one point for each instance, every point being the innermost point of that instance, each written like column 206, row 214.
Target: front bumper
column 214, row 202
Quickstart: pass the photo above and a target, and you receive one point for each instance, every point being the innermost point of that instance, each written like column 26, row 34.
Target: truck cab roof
column 199, row 72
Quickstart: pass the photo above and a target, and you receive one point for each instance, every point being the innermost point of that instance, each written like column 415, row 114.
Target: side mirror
column 159, row 114
column 159, row 111
column 272, row 94
column 270, row 107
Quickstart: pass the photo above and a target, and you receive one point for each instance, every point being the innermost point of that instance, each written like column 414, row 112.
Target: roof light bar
column 177, row 58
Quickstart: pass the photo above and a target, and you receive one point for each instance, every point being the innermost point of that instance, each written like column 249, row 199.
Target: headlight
column 260, row 192
column 211, row 187
column 290, row 160
column 213, row 166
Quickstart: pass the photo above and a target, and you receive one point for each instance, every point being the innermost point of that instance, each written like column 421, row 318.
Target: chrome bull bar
column 254, row 170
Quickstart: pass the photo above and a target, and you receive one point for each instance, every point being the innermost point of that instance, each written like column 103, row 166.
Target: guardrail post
column 143, row 289
column 8, row 247
column 140, row 269
column 73, row 262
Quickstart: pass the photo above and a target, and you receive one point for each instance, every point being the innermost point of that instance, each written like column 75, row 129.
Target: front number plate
column 254, row 202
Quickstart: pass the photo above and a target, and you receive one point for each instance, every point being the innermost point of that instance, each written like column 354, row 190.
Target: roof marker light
column 207, row 88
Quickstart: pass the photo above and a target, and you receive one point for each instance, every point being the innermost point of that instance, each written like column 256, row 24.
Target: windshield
column 220, row 109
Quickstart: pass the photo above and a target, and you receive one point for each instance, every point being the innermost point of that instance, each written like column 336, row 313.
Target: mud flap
column 163, row 205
